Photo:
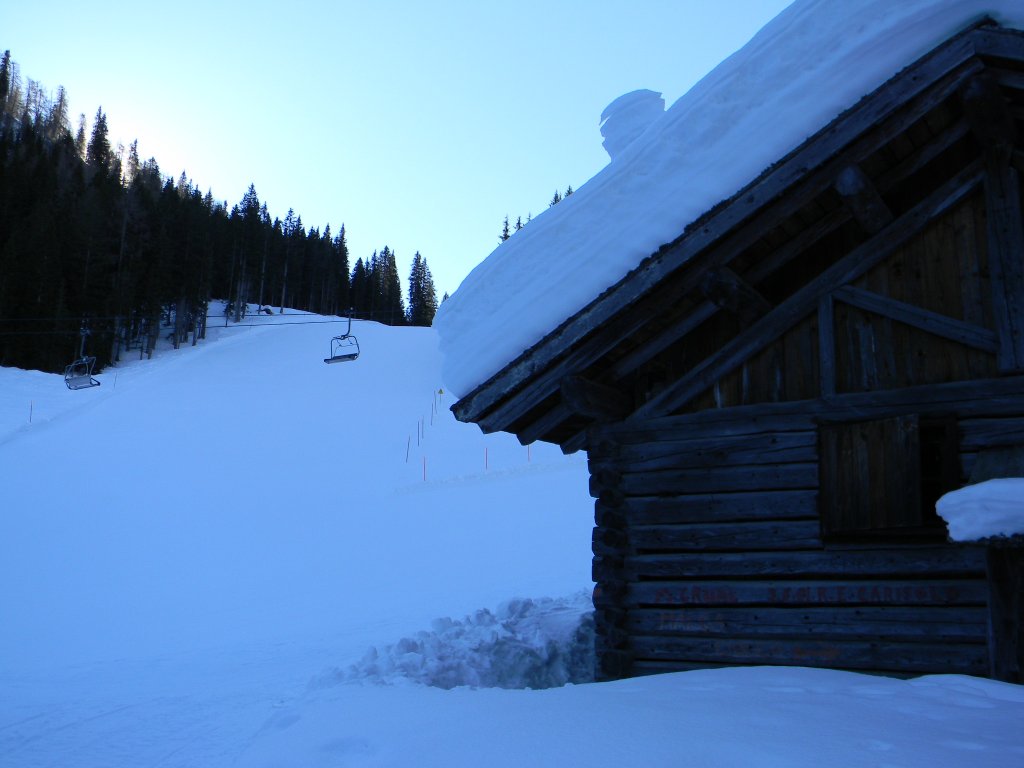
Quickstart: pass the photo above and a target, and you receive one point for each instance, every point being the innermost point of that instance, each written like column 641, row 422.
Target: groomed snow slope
column 222, row 558
column 814, row 60
column 245, row 488
column 222, row 502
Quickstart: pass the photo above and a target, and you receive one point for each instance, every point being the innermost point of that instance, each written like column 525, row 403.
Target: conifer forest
column 93, row 237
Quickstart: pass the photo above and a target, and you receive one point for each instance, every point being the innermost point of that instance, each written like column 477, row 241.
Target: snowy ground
column 235, row 555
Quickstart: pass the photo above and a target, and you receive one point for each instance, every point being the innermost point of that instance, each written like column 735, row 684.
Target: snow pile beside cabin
column 525, row 643
column 813, row 61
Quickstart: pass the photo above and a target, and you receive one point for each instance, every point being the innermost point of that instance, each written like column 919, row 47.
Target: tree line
column 507, row 230
column 92, row 235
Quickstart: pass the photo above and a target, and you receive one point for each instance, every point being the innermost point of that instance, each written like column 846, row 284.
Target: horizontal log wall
column 708, row 552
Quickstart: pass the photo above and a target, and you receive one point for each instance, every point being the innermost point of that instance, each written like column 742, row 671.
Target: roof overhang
column 569, row 380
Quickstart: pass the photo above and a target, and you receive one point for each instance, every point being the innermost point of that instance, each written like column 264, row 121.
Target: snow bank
column 814, row 60
column 992, row 508
column 525, row 643
column 757, row 717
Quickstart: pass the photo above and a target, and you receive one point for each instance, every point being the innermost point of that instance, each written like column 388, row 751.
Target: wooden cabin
column 772, row 403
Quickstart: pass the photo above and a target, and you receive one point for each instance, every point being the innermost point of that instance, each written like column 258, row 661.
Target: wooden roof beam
column 594, row 400
column 805, row 300
column 783, row 255
column 989, row 116
column 730, row 292
column 542, row 426
column 941, row 325
column 862, row 199
column 1006, row 267
column 983, row 399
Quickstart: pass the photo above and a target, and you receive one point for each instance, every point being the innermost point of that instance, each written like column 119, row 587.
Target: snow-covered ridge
column 813, row 61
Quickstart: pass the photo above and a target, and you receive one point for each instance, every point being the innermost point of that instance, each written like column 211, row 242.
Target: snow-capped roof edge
column 531, row 377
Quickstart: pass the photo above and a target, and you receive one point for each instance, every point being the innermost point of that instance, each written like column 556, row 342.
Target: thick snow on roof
column 813, row 61
column 992, row 508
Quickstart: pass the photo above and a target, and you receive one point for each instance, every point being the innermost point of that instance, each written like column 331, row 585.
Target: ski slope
column 239, row 496
column 235, row 555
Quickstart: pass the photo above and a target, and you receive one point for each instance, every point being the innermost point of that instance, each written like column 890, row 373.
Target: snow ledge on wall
column 994, row 508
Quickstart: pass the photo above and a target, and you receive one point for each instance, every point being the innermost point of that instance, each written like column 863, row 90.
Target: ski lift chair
column 78, row 375
column 344, row 348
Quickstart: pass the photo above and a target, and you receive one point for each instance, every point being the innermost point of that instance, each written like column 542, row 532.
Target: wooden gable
column 881, row 254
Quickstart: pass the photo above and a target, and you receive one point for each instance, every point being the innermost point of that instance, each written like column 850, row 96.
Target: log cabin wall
column 709, row 547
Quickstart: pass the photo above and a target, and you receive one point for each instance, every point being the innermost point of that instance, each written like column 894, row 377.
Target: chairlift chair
column 344, row 348
column 78, row 375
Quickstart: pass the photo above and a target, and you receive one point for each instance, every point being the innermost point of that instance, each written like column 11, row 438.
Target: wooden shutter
column 870, row 476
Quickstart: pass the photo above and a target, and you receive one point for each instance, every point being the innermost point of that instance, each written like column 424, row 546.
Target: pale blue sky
column 418, row 125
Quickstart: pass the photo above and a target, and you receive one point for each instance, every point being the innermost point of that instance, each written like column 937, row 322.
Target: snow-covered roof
column 813, row 61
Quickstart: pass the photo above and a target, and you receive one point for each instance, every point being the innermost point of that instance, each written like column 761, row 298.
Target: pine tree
column 5, row 79
column 184, row 186
column 15, row 96
column 80, row 137
column 360, row 289
column 57, row 122
column 344, row 296
column 290, row 228
column 387, row 306
column 556, row 199
column 131, row 171
column 505, row 234
column 97, row 154
column 422, row 295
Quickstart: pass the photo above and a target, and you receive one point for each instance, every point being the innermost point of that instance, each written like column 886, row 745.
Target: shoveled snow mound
column 992, row 508
column 525, row 643
column 814, row 60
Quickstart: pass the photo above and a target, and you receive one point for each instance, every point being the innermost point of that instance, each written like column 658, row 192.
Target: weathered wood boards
column 804, row 300
column 772, row 402
column 709, row 546
column 1005, row 570
column 1006, row 262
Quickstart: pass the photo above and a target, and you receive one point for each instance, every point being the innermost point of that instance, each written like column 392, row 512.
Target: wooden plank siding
column 708, row 550
column 923, row 315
